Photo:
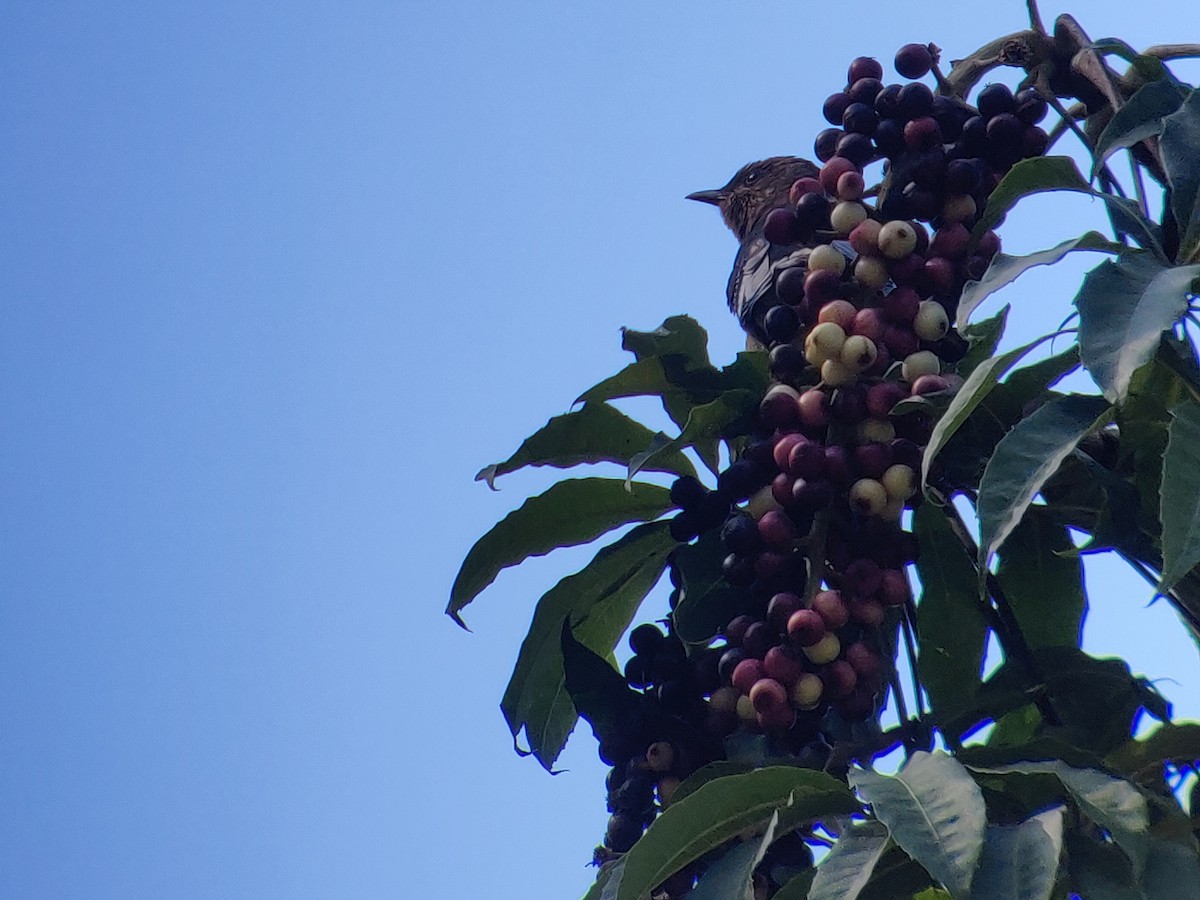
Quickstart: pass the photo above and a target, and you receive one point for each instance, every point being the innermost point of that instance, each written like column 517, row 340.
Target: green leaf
column 723, row 808
column 1178, row 744
column 950, row 624
column 1124, row 308
column 982, row 340
column 730, row 877
column 1059, row 173
column 1170, row 866
column 1004, row 270
column 1099, row 871
column 573, row 511
column 607, row 881
column 1141, row 117
column 705, row 424
column 706, row 773
column 935, row 811
column 596, row 433
column 598, row 692
column 679, row 388
column 678, row 336
column 1025, row 458
column 1020, row 862
column 848, row 867
column 1112, row 803
column 1150, row 67
column 706, row 600
column 1180, row 138
column 601, row 601
column 982, row 380
column 1180, row 494
column 796, row 888
column 1042, row 579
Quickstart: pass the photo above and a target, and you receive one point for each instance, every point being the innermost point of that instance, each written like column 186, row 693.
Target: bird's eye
column 751, row 178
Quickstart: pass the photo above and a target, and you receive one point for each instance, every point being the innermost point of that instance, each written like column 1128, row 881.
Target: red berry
column 806, row 627
column 747, row 674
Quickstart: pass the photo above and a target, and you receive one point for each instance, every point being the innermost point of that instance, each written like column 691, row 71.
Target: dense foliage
column 879, row 438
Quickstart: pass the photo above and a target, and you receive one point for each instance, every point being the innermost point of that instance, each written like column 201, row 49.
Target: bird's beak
column 716, row 198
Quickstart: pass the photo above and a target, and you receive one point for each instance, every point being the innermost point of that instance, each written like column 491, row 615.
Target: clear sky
column 275, row 281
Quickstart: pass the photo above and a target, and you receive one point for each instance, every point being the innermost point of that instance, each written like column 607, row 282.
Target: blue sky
column 275, row 285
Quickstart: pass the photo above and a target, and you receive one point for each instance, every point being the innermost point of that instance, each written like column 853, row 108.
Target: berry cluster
column 810, row 514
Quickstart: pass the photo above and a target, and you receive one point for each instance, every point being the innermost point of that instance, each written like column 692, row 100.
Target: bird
column 745, row 201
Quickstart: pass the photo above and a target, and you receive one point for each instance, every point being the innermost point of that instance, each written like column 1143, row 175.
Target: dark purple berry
column 1030, row 106
column 860, row 118
column 995, row 99
column 857, row 148
column 887, row 102
column 913, row 61
column 864, row 67
column 865, row 90
column 825, row 145
column 782, row 322
column 781, row 226
column 835, row 105
column 915, row 100
column 646, row 639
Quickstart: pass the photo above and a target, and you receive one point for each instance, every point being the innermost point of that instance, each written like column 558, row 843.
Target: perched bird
column 751, row 194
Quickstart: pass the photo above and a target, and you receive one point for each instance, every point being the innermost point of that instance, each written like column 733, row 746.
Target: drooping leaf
column 594, row 433
column 1099, row 871
column 729, row 412
column 1005, row 269
column 1025, row 458
column 1059, row 173
column 1112, row 803
column 1020, row 862
column 1043, row 582
column 598, row 692
column 1178, row 744
column 982, row 380
column 1151, row 68
column 679, row 388
column 950, row 624
column 573, row 511
column 1172, row 867
column 601, row 601
column 796, row 888
column 934, row 811
column 847, row 868
column 982, row 339
column 706, row 773
column 1180, row 138
column 706, row 600
column 730, row 877
column 722, row 809
column 1124, row 308
column 1180, row 494
column 1141, row 117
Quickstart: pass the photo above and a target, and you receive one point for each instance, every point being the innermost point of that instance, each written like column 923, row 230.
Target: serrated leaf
column 601, row 601
column 573, row 511
column 1180, row 494
column 595, row 433
column 1020, row 862
column 1025, row 458
column 706, row 600
column 982, row 339
column 1004, row 270
column 978, row 385
column 1180, row 138
column 934, row 811
column 848, row 867
column 730, row 877
column 1112, row 803
column 1141, row 117
column 1124, row 308
column 722, row 809
column 1043, row 582
column 950, row 624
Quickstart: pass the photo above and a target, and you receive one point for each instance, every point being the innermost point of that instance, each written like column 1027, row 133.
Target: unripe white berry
column 897, row 239
column 745, row 709
column 931, row 322
column 846, row 215
column 806, row 692
column 900, row 482
column 879, row 430
column 923, row 362
column 828, row 258
column 859, row 353
column 762, row 502
column 825, row 650
column 959, row 208
column 871, row 272
column 835, row 373
column 868, row 496
column 827, row 339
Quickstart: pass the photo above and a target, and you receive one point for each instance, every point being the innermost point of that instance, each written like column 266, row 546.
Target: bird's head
column 755, row 190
